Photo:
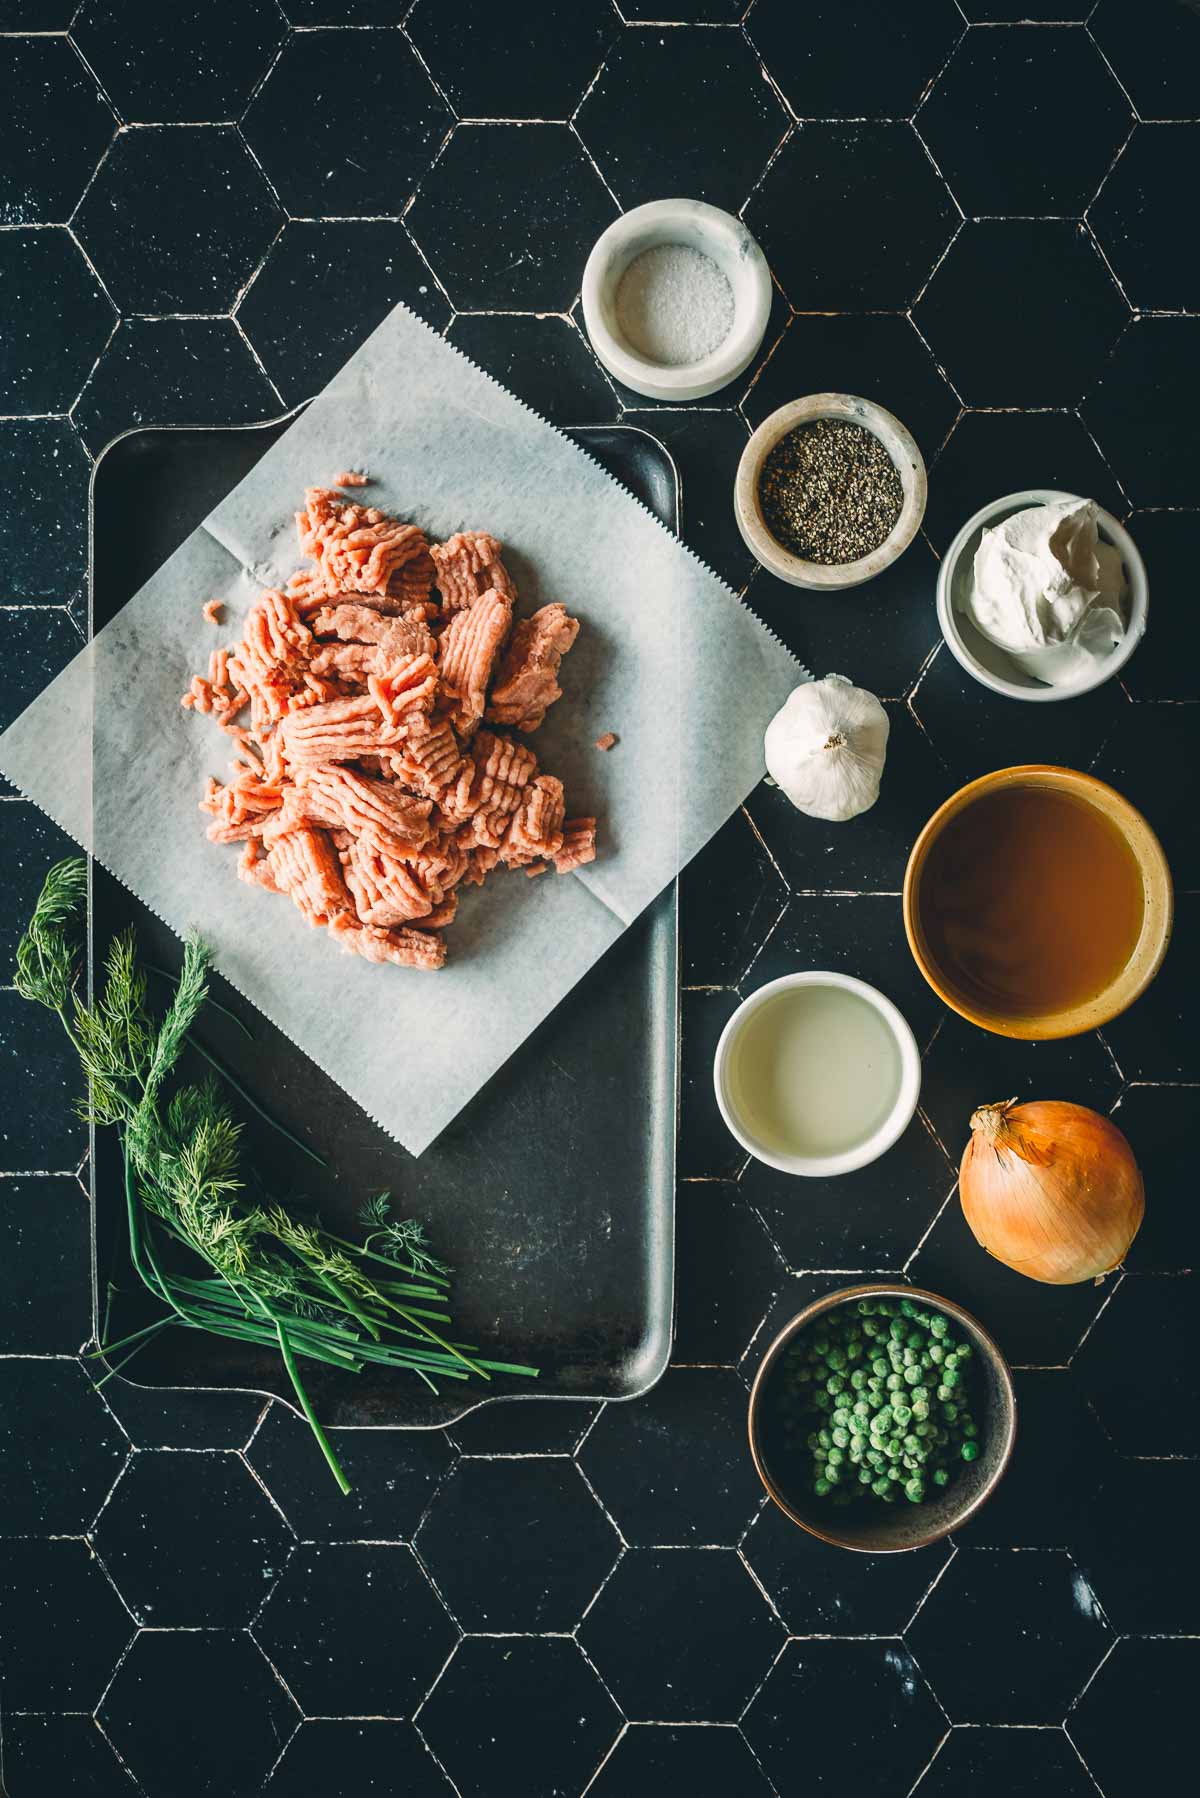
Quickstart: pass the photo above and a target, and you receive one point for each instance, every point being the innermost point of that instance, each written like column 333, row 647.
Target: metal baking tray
column 552, row 1194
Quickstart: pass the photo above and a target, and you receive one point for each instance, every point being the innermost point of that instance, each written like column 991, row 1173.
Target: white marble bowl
column 987, row 662
column 900, row 446
column 715, row 234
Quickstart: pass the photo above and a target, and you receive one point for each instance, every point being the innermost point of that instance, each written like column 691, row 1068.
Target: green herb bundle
column 220, row 1259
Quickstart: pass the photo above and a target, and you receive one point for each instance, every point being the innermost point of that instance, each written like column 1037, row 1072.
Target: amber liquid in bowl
column 1031, row 902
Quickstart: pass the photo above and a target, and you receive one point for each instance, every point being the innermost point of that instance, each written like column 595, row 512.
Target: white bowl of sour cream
column 1010, row 673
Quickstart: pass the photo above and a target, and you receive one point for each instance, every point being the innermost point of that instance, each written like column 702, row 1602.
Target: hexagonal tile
column 1061, row 1459
column 323, row 289
column 1048, row 97
column 706, row 447
column 173, row 371
column 393, row 1475
column 1128, row 1546
column 706, row 1149
column 726, row 1272
column 856, row 60
column 881, row 632
column 897, row 1723
column 1006, row 340
column 1145, row 1417
column 879, row 355
column 871, row 198
column 524, row 1426
column 1036, row 1326
column 1158, row 1120
column 651, row 1758
column 1154, row 1681
column 56, row 320
column 1155, row 50
column 1006, row 12
column 50, row 1753
column 36, row 643
column 1156, row 1038
column 517, row 1545
column 366, row 1758
column 856, row 1220
column 159, row 1712
column 329, row 1626
column 999, row 1763
column 641, row 1459
column 965, row 1067
column 57, row 129
column 45, row 1131
column 190, row 1539
column 681, row 1635
column 732, row 896
column 1144, row 410
column 683, row 12
column 530, row 1702
column 43, row 459
column 1132, row 217
column 1009, row 1638
column 821, row 1591
column 44, row 1224
column 491, row 176
column 975, row 730
column 56, row 1594
column 177, row 218
column 315, row 124
column 200, row 60
column 178, row 1417
column 544, row 361
column 488, row 70
column 992, row 453
column 676, row 83
column 1149, row 743
column 1162, row 667
column 53, row 1481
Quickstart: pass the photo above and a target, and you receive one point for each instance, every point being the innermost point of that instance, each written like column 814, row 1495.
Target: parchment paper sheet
column 667, row 658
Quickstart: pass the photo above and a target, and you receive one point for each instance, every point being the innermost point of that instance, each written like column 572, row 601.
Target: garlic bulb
column 826, row 747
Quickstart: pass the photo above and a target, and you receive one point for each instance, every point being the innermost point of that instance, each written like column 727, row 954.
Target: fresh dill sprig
column 258, row 1272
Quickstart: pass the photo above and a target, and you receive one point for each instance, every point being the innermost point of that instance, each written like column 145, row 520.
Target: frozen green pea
column 969, row 1450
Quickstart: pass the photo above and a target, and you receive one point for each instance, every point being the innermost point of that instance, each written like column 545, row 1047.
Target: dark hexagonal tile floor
column 706, row 447
column 1156, row 1038
column 56, row 1753
column 1048, row 97
column 316, row 124
column 1007, row 340
column 897, row 1722
column 36, row 643
column 1050, row 1487
column 1129, row 1546
column 56, row 320
column 677, row 82
column 853, row 58
column 197, row 1711
column 361, row 1758
column 1009, row 1638
column 1154, row 1681
column 356, row 1630
column 1145, row 410
column 158, row 370
column 526, row 1701
column 197, row 60
column 733, row 896
column 1160, row 1120
column 62, row 1627
column 870, row 198
column 46, row 1130
column 177, row 219
column 1136, row 223
column 54, row 1480
column 642, row 1462
column 681, row 1635
column 652, row 1758
column 57, row 127
column 706, row 1149
column 1145, row 740
column 523, row 1426
column 725, row 1264
column 518, row 1545
column 49, row 463
column 544, row 361
column 489, row 177
column 1006, row 1763
column 822, row 1591
column 486, row 68
column 1162, row 666
column 393, row 1475
column 44, row 1224
column 1155, row 50
column 1145, row 1417
column 192, row 1542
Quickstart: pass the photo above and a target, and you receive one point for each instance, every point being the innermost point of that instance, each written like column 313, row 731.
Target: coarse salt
column 674, row 305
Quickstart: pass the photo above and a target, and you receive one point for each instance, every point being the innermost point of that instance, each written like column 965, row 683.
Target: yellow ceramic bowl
column 1157, row 914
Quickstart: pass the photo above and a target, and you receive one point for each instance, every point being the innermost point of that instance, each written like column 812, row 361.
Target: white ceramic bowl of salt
column 676, row 297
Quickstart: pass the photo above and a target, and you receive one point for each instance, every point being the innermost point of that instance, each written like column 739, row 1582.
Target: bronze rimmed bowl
column 869, row 1526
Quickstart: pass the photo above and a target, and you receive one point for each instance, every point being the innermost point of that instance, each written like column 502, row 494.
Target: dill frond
column 48, row 953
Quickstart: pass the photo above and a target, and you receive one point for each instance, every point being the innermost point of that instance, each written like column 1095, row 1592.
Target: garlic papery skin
column 826, row 747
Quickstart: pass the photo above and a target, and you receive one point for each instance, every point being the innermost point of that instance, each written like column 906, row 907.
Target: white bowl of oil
column 817, row 1074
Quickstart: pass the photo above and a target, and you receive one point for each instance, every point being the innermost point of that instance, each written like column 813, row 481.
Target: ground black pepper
column 830, row 492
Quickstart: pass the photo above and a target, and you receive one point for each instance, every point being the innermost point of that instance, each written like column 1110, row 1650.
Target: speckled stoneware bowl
column 900, row 446
column 874, row 1528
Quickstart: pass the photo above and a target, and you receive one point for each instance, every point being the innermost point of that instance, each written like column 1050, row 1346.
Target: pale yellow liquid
column 815, row 1071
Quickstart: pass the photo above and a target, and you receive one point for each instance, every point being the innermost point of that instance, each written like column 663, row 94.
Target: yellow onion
column 1051, row 1189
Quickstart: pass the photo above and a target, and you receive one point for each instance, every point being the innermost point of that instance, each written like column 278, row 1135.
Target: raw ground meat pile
column 381, row 765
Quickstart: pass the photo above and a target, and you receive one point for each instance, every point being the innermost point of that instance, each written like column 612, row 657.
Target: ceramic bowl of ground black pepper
column 830, row 490
column 882, row 1417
